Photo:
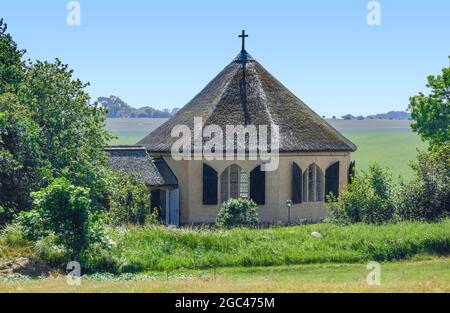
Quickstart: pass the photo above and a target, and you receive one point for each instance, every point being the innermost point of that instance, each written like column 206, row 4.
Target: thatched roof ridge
column 245, row 93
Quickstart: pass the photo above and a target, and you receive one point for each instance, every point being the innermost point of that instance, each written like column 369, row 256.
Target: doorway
column 167, row 202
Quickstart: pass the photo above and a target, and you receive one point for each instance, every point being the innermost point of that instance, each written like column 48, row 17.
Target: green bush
column 237, row 212
column 48, row 250
column 369, row 198
column 64, row 210
column 129, row 200
column 98, row 259
column 12, row 235
column 152, row 219
column 13, row 243
column 427, row 197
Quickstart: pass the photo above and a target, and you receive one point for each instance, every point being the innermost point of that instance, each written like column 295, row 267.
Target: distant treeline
column 118, row 108
column 393, row 115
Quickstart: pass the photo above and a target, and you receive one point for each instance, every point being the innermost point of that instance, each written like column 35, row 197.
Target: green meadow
column 414, row 257
column 163, row 249
column 158, row 248
column 390, row 143
column 421, row 275
column 393, row 149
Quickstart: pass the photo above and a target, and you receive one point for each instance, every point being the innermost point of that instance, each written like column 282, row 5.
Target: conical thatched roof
column 245, row 93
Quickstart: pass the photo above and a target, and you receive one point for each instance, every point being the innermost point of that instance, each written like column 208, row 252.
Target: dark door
column 158, row 202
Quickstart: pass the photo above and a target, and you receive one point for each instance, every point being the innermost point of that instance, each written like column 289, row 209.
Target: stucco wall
column 278, row 187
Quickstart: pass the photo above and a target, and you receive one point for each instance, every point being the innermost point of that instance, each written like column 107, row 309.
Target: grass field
column 130, row 130
column 143, row 249
column 152, row 249
column 426, row 275
column 391, row 143
column 414, row 257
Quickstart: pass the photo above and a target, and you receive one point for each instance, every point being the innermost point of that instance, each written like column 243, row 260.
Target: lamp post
column 289, row 204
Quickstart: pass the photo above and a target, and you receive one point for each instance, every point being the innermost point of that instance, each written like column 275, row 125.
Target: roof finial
column 243, row 36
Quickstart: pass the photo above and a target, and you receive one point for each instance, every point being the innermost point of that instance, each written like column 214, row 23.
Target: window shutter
column 258, row 186
column 210, row 182
column 332, row 180
column 297, row 180
column 351, row 171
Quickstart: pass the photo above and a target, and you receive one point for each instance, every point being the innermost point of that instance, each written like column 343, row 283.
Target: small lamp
column 289, row 204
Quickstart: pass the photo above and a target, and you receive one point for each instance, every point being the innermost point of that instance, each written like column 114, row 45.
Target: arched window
column 313, row 184
column 234, row 183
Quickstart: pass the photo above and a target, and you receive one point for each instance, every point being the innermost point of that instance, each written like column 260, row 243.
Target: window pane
column 224, row 186
column 244, row 185
column 311, row 173
column 234, row 181
column 305, row 186
column 319, row 189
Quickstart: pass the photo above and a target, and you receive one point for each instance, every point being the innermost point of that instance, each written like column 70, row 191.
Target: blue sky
column 162, row 53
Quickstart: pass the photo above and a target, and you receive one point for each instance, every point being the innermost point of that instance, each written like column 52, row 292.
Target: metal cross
column 243, row 36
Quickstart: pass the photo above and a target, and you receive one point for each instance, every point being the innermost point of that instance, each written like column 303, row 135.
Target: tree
column 66, row 211
column 431, row 114
column 11, row 64
column 348, row 117
column 73, row 129
column 22, row 162
column 427, row 197
column 48, row 129
column 17, row 140
column 129, row 200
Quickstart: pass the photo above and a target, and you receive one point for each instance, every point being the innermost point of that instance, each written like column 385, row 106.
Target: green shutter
column 258, row 186
column 210, row 182
column 297, row 180
column 332, row 180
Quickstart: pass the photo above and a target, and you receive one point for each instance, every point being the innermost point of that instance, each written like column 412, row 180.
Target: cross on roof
column 243, row 36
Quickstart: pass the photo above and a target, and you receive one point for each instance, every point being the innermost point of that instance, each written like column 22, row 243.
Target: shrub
column 50, row 251
column 427, row 197
column 152, row 219
column 129, row 200
column 237, row 212
column 13, row 243
column 12, row 235
column 64, row 210
column 98, row 259
column 369, row 198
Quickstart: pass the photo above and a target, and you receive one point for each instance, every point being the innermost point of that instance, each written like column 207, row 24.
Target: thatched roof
column 165, row 172
column 244, row 93
column 135, row 160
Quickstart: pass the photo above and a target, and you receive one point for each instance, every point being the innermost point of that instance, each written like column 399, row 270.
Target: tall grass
column 13, row 244
column 143, row 249
column 140, row 249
